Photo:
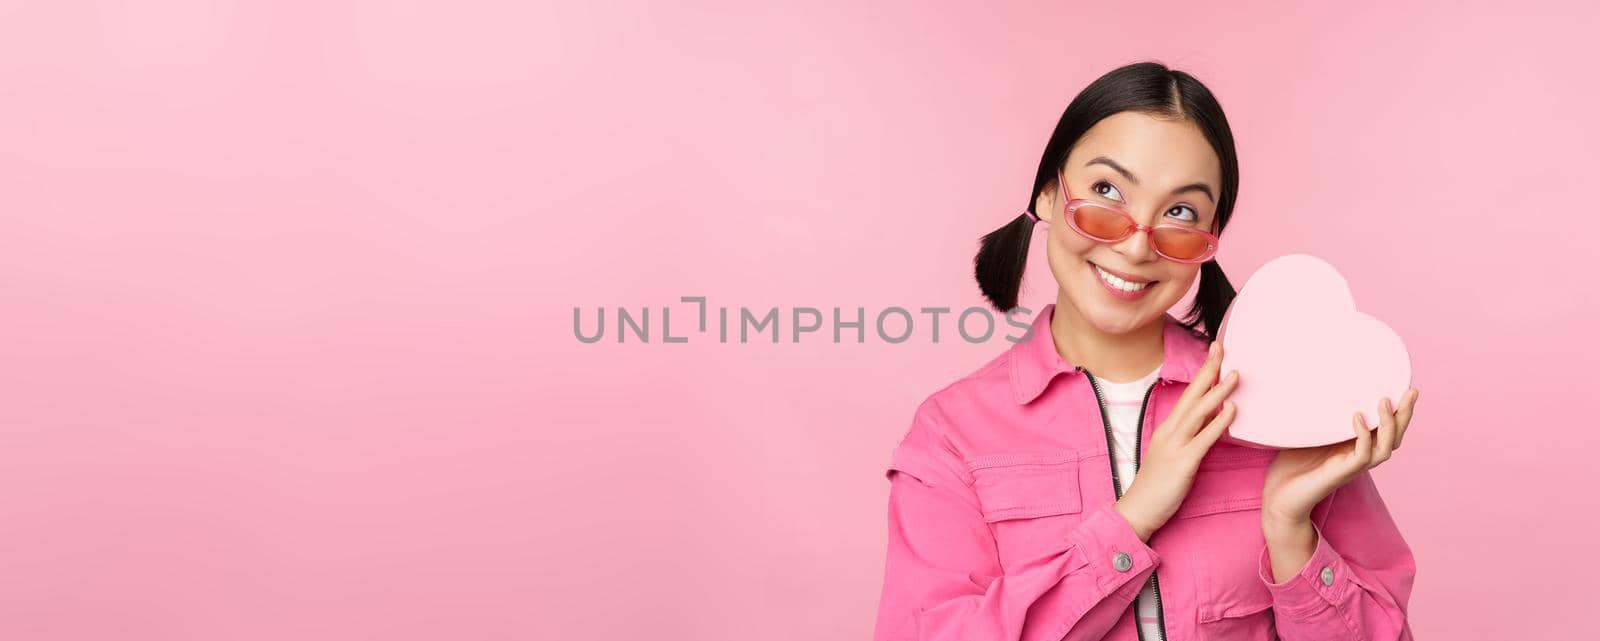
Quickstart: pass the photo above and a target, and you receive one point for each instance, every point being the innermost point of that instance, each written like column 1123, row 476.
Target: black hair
column 1145, row 87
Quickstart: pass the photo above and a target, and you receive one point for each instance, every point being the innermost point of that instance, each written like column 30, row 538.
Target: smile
column 1119, row 282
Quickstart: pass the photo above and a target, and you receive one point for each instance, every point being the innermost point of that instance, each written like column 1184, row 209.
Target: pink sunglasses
column 1109, row 223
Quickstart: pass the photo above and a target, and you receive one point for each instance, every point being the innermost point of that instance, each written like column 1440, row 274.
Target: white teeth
column 1118, row 282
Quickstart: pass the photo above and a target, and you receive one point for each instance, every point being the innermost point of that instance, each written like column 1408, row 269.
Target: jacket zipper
column 1116, row 484
column 1138, row 455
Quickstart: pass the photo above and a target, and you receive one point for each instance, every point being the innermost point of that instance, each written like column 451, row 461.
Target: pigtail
column 1002, row 255
column 1211, row 299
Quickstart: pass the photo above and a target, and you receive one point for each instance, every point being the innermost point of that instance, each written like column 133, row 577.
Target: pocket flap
column 1229, row 479
column 1224, row 456
column 1218, row 611
column 1022, row 486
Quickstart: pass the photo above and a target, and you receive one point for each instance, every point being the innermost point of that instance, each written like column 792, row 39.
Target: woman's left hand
column 1299, row 478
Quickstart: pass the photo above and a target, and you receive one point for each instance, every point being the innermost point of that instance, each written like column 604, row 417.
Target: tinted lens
column 1101, row 223
column 1182, row 244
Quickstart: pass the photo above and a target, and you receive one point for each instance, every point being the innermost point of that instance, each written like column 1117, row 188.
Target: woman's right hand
column 1168, row 466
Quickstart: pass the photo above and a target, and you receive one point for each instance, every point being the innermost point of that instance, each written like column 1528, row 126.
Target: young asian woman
column 1074, row 486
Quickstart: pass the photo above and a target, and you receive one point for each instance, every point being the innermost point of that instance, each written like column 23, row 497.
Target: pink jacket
column 1001, row 524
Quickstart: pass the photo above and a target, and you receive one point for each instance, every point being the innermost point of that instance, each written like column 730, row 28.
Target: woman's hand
column 1299, row 478
column 1176, row 447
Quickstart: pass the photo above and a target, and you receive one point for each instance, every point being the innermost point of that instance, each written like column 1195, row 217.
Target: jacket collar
column 1036, row 362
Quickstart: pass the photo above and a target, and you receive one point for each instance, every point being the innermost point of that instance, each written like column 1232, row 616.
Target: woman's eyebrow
column 1200, row 187
column 1102, row 160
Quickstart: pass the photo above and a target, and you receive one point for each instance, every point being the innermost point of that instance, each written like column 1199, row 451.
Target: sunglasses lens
column 1182, row 244
column 1101, row 223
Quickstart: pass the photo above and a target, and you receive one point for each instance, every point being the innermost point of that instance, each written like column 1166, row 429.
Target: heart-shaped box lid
column 1307, row 358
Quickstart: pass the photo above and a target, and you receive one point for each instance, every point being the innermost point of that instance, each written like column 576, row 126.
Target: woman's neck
column 1116, row 357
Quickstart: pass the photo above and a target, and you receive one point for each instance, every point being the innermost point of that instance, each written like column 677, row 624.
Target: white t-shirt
column 1124, row 402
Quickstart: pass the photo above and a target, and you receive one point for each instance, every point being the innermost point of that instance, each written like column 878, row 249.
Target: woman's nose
column 1136, row 246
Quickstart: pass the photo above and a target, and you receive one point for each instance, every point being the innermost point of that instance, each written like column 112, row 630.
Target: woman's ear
column 1044, row 205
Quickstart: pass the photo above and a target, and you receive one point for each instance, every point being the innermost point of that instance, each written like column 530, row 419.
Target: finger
column 1402, row 419
column 1203, row 409
column 1203, row 379
column 1363, row 448
column 1386, row 430
column 1184, row 410
column 1214, row 429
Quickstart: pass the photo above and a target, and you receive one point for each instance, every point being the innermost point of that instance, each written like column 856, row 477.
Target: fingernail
column 1387, row 406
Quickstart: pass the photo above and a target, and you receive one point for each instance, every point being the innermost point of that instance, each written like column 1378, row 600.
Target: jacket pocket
column 1223, row 506
column 1239, row 621
column 1229, row 479
column 1025, row 486
column 1212, row 612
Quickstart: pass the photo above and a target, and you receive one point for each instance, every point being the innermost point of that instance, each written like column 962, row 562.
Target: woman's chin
column 1119, row 317
column 1116, row 324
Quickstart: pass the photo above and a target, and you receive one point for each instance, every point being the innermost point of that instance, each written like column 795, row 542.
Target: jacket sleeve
column 1357, row 583
column 942, row 576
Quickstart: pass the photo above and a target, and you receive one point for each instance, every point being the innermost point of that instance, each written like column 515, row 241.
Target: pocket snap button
column 1122, row 561
column 1327, row 575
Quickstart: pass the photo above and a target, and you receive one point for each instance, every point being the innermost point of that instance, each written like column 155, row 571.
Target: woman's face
column 1160, row 171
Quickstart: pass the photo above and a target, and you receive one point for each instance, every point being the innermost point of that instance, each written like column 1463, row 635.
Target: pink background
column 288, row 294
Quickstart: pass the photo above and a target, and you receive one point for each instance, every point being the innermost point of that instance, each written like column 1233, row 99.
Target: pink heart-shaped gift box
column 1307, row 358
